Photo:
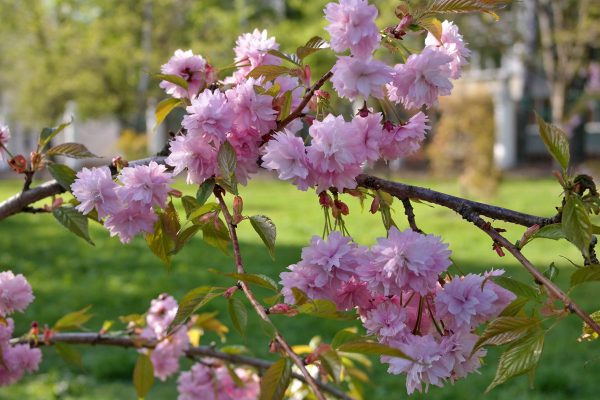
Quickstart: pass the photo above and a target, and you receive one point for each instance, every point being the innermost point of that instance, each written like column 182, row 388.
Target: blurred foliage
column 464, row 142
column 132, row 145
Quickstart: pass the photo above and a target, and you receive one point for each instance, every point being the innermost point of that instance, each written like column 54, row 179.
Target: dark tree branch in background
column 95, row 339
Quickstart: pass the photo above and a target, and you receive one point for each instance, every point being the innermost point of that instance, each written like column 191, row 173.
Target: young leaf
column 373, row 348
column 519, row 288
column 257, row 279
column 313, row 45
column 344, row 336
column 164, row 108
column 143, row 375
column 588, row 273
column 176, row 79
column 189, row 204
column 576, row 223
column 170, row 221
column 204, row 191
column 286, row 107
column 588, row 334
column 268, row 328
column 74, row 221
column 49, row 133
column 324, row 309
column 515, row 307
column 226, row 159
column 215, row 233
column 193, row 300
column 72, row 150
column 160, row 244
column 73, row 320
column 287, row 57
column 432, row 25
column 239, row 314
column 183, row 237
column 200, row 211
column 64, row 175
column 266, row 230
column 504, row 330
column 468, row 6
column 269, row 72
column 276, row 380
column 332, row 363
column 552, row 231
column 521, row 357
column 69, row 354
column 556, row 141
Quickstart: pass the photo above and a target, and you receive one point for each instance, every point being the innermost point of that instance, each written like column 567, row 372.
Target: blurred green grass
column 68, row 274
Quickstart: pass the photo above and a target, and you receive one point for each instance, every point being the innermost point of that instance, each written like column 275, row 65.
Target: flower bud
column 229, row 292
column 342, row 207
column 238, row 205
column 176, row 193
column 18, row 164
column 325, row 200
column 36, row 160
column 374, row 205
column 284, row 309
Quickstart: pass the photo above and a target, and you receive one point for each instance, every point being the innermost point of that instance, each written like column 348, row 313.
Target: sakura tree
column 425, row 322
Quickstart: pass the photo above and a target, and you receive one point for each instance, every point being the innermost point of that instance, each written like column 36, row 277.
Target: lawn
column 68, row 274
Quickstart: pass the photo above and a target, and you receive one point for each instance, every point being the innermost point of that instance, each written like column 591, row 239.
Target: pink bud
column 342, row 207
column 283, row 309
column 375, row 205
column 18, row 164
column 325, row 200
column 229, row 292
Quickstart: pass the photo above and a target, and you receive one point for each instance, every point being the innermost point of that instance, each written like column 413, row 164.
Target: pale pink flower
column 246, row 146
column 229, row 390
column 371, row 132
column 197, row 383
column 16, row 360
column 165, row 356
column 421, row 80
column 452, row 44
column 161, row 313
column 146, row 184
column 388, row 320
column 304, row 277
column 195, row 154
column 6, row 330
column 461, row 347
column 15, row 293
column 406, row 139
column 405, row 260
column 251, row 110
column 131, row 220
column 4, row 138
column 432, row 363
column 349, row 294
column 95, row 188
column 253, row 49
column 210, row 114
column 192, row 68
column 286, row 154
column 352, row 26
column 355, row 77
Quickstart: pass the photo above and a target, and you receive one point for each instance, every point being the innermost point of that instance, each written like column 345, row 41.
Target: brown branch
column 193, row 352
column 410, row 215
column 260, row 310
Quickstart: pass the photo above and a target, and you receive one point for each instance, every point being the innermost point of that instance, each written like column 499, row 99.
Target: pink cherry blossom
column 404, row 140
column 209, row 115
column 192, row 68
column 452, row 44
column 161, row 313
column 251, row 110
column 304, row 277
column 432, row 363
column 253, row 49
column 422, row 79
column 286, row 154
column 371, row 132
column 95, row 188
column 355, row 77
column 246, row 146
column 388, row 320
column 130, row 220
column 165, row 356
column 197, row 383
column 16, row 360
column 405, row 260
column 15, row 293
column 349, row 294
column 6, row 330
column 146, row 184
column 195, row 154
column 229, row 390
column 352, row 26
column 4, row 138
column 462, row 344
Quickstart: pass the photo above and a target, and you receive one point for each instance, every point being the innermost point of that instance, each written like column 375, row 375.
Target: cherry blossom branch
column 260, row 310
column 410, row 215
column 93, row 339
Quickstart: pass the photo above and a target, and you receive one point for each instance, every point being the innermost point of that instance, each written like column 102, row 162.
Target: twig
column 198, row 351
column 410, row 215
column 260, row 310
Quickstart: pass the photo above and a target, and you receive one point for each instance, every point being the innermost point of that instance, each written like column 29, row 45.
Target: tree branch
column 198, row 351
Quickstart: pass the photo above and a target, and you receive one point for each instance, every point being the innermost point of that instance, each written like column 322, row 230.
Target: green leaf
column 344, row 336
column 170, row 221
column 313, row 45
column 183, row 237
column 266, row 230
column 64, row 175
column 73, row 320
column 160, row 243
column 176, row 79
column 69, row 354
column 504, row 330
column 205, row 209
column 269, row 72
column 468, row 6
column 332, row 363
column 299, row 296
column 193, row 300
column 268, row 328
column 521, row 357
column 432, row 25
column 72, row 150
column 552, row 231
column 576, row 223
column 589, row 273
column 324, row 309
column 276, row 379
column 286, row 107
column 373, row 348
column 143, row 376
column 588, row 334
column 552, row 272
column 164, row 108
column 74, row 221
column 239, row 314
column 556, row 141
column 256, row 279
column 216, row 234
column 226, row 159
column 515, row 307
column 49, row 133
column 287, row 57
column 204, row 191
column 189, row 204
column 519, row 288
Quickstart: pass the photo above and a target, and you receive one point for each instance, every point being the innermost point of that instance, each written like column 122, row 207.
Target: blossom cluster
column 15, row 295
column 205, row 380
column 127, row 209
column 397, row 287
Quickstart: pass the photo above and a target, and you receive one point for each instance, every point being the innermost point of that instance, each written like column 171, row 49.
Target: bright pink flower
column 352, row 26
column 15, row 293
column 95, row 188
column 335, row 154
column 251, row 110
column 195, row 154
column 4, row 138
column 146, row 184
column 452, row 44
column 193, row 69
column 210, row 114
column 405, row 260
column 388, row 320
column 286, row 154
column 432, row 363
column 253, row 48
column 422, row 79
column 355, row 77
column 371, row 131
column 405, row 139
column 349, row 294
column 131, row 220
